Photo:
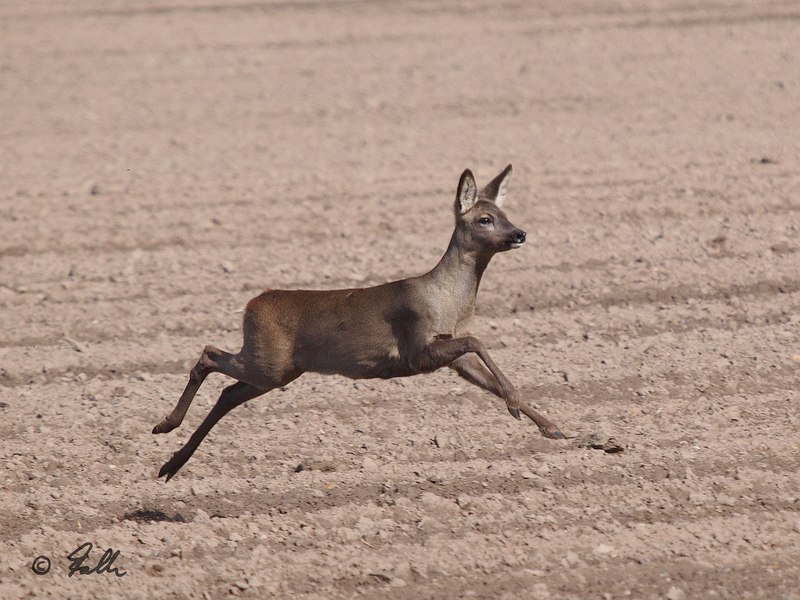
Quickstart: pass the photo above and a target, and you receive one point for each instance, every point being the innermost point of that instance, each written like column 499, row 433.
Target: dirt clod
column 600, row 441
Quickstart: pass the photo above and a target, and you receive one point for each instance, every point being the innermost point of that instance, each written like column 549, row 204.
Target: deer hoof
column 169, row 470
column 163, row 427
column 553, row 435
column 514, row 413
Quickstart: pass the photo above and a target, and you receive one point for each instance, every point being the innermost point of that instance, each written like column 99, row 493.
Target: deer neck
column 458, row 273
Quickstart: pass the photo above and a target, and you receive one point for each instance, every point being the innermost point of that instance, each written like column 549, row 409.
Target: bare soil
column 163, row 161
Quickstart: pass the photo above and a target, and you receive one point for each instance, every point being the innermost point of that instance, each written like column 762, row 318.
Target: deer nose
column 518, row 236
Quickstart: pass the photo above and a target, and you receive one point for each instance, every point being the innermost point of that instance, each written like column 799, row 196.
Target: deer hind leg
column 212, row 360
column 231, row 397
column 470, row 367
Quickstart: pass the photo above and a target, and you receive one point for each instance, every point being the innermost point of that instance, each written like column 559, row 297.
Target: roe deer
column 397, row 329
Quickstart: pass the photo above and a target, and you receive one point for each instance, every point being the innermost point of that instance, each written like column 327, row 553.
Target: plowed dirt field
column 163, row 162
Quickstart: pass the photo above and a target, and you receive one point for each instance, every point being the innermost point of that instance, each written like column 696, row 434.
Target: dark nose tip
column 519, row 236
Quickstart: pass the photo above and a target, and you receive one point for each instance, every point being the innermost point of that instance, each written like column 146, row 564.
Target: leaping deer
column 396, row 329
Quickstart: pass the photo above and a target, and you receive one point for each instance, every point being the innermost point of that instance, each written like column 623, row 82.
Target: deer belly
column 356, row 357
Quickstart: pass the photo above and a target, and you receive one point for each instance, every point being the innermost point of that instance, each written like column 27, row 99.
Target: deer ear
column 467, row 193
column 495, row 190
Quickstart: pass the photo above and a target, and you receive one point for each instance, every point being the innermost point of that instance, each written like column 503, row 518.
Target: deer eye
column 485, row 220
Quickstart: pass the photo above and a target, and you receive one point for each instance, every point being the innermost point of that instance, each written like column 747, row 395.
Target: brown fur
column 397, row 329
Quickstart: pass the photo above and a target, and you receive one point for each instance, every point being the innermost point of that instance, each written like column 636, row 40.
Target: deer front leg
column 470, row 368
column 442, row 352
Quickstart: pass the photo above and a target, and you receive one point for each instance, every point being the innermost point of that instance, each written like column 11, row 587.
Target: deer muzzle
column 517, row 238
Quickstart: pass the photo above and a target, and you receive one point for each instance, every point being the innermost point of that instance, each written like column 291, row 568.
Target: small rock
column 676, row 593
column 235, row 537
column 604, row 549
column 369, row 464
column 227, row 267
column 539, row 591
column 201, row 516
column 528, row 475
column 441, row 441
column 76, row 345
